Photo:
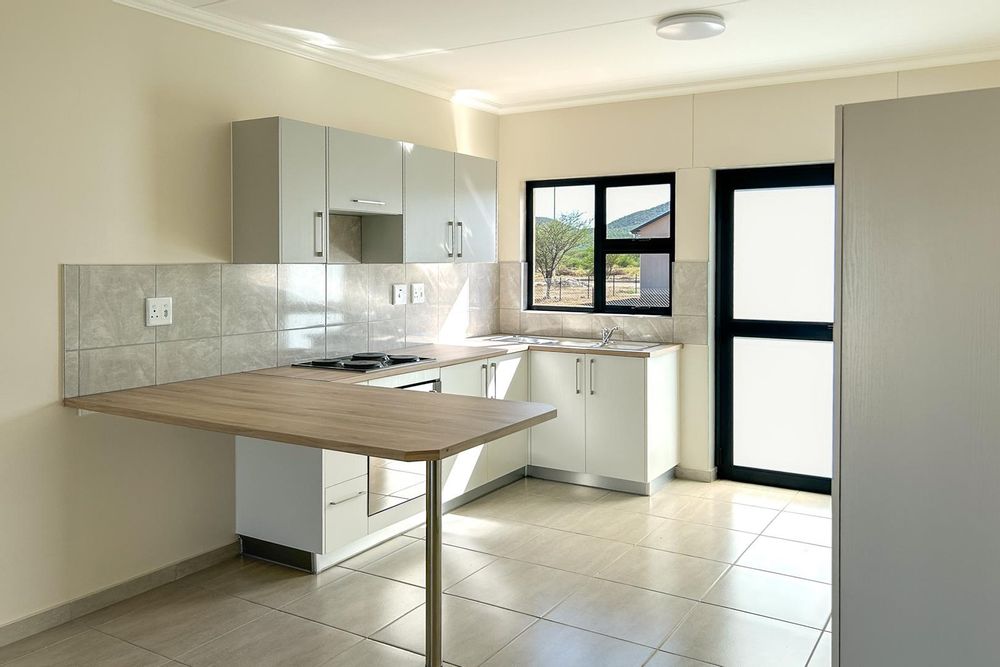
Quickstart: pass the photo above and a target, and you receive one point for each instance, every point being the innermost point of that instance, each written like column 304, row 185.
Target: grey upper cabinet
column 279, row 192
column 365, row 173
column 428, row 205
column 475, row 209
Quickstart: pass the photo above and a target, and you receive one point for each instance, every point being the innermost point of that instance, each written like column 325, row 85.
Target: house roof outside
column 627, row 225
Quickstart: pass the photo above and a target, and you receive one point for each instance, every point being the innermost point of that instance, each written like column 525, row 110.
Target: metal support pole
column 432, row 622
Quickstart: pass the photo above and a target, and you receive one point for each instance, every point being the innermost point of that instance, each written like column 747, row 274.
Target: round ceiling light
column 700, row 25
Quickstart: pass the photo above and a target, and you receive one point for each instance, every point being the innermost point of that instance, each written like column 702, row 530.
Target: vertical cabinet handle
column 592, row 387
column 318, row 234
column 449, row 239
column 578, row 375
column 460, row 232
column 493, row 368
column 486, row 382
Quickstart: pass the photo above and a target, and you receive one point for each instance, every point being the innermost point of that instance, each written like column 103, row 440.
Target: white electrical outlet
column 398, row 295
column 159, row 311
column 417, row 293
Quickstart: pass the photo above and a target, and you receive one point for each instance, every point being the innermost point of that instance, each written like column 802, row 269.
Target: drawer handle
column 593, row 387
column 344, row 500
column 578, row 375
column 374, row 202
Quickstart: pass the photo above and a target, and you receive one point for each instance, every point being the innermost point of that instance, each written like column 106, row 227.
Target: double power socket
column 417, row 294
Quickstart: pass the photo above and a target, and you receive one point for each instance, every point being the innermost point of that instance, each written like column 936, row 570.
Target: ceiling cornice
column 364, row 66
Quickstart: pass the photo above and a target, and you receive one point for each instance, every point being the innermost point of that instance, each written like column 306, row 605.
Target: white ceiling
column 516, row 55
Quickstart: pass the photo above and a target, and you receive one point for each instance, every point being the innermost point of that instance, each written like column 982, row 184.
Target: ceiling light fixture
column 694, row 25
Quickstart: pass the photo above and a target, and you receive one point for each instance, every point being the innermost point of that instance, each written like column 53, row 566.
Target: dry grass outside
column 571, row 290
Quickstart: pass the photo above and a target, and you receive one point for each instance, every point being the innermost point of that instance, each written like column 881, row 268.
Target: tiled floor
column 537, row 573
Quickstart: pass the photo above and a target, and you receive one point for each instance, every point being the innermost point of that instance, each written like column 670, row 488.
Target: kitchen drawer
column 346, row 518
column 339, row 467
column 404, row 379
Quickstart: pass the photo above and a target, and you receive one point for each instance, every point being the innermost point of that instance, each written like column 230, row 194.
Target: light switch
column 398, row 294
column 159, row 311
column 417, row 293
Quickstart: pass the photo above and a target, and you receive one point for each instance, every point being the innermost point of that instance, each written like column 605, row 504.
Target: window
column 603, row 245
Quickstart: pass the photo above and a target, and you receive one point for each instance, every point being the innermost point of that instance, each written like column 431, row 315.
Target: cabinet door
column 466, row 470
column 428, row 205
column 303, row 192
column 616, row 417
column 365, row 173
column 558, row 379
column 475, row 209
column 508, row 380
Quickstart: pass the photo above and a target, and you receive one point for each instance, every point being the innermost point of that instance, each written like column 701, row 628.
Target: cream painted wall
column 694, row 134
column 115, row 149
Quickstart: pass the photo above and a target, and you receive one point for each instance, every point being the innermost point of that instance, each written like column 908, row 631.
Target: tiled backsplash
column 237, row 317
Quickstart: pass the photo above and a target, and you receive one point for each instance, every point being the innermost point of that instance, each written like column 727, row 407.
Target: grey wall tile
column 113, row 368
column 71, row 307
column 454, row 285
column 484, row 285
column 578, row 325
column 249, row 298
column 429, row 275
column 346, row 293
column 112, row 305
column 482, row 321
column 188, row 359
column 71, row 374
column 346, row 339
column 381, row 278
column 508, row 320
column 301, row 344
column 421, row 324
column 247, row 352
column 197, row 293
column 688, row 329
column 301, row 296
column 387, row 335
column 510, row 291
column 538, row 323
column 345, row 239
column 650, row 329
column 690, row 289
column 600, row 322
column 453, row 323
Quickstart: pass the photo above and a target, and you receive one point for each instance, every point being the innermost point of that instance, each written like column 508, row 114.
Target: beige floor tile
column 774, row 595
column 563, row 491
column 362, row 560
column 685, row 487
column 525, row 508
column 611, row 524
column 472, row 631
column 228, row 566
column 694, row 539
column 41, row 640
column 816, row 504
column 274, row 639
column 634, row 614
column 570, row 551
column 90, row 648
column 374, row 654
column 795, row 559
column 671, row 506
column 359, row 603
column 554, row 645
column 524, row 587
column 664, row 659
column 407, row 564
column 185, row 618
column 728, row 515
column 665, row 572
column 823, row 653
column 748, row 494
column 150, row 598
column 272, row 585
column 492, row 536
column 728, row 637
column 802, row 528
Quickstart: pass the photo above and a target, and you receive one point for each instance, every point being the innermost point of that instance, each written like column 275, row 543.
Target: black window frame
column 604, row 246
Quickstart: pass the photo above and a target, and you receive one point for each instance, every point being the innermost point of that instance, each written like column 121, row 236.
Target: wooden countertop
column 372, row 421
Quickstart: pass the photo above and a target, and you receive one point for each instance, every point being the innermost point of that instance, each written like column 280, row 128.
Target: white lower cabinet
column 558, row 379
column 466, row 470
column 616, row 417
column 346, row 518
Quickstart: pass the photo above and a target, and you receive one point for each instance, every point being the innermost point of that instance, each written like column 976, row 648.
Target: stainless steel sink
column 526, row 340
column 622, row 346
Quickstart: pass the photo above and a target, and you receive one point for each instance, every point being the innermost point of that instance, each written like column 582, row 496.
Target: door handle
column 493, row 367
column 373, row 202
column 486, row 382
column 357, row 494
column 449, row 239
column 461, row 237
column 578, row 375
column 592, row 377
column 318, row 234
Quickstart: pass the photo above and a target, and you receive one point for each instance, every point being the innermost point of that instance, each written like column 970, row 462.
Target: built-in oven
column 392, row 483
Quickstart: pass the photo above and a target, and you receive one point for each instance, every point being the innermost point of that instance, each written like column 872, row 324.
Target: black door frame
column 726, row 184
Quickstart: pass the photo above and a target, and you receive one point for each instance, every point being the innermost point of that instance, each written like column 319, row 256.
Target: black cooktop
column 364, row 362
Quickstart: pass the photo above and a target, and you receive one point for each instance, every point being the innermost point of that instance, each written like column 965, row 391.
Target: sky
column 621, row 201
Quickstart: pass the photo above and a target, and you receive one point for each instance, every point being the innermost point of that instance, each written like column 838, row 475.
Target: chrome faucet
column 606, row 335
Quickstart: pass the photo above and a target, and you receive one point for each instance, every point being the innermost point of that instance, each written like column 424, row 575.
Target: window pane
column 783, row 405
column 638, row 280
column 783, row 254
column 639, row 212
column 563, row 246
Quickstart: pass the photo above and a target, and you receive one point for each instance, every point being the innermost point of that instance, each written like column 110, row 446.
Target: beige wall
column 116, row 149
column 693, row 134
